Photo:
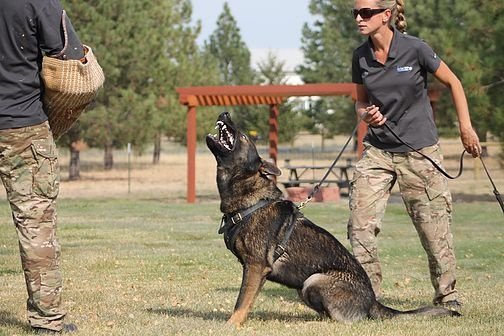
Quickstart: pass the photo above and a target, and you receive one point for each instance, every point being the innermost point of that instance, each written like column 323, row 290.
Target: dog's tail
column 380, row 311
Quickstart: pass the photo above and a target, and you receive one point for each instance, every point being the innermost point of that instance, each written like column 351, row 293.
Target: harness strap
column 230, row 220
column 231, row 224
column 280, row 249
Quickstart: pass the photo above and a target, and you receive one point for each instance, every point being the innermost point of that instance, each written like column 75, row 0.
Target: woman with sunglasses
column 390, row 70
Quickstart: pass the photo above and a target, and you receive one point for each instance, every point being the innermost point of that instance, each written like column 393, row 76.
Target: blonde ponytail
column 400, row 19
column 397, row 9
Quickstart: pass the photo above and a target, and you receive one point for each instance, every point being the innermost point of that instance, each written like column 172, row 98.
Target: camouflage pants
column 30, row 173
column 428, row 202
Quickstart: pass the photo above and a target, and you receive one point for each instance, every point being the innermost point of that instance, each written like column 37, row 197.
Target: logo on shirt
column 404, row 69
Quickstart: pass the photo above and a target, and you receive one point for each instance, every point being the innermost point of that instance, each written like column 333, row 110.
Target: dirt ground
column 168, row 179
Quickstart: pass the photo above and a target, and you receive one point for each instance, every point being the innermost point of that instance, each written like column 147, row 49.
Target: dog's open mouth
column 225, row 136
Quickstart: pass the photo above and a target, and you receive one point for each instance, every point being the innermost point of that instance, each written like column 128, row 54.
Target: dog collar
column 232, row 220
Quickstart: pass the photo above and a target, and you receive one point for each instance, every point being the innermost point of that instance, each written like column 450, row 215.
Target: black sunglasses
column 366, row 13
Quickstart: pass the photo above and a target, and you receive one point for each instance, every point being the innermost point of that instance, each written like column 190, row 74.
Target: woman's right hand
column 373, row 116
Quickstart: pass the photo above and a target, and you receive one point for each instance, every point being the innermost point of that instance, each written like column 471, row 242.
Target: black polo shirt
column 399, row 89
column 28, row 28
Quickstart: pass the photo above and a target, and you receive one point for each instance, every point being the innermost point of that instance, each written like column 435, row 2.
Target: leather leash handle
column 461, row 167
column 441, row 170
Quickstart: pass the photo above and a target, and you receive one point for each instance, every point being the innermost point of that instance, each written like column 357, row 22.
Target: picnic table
column 312, row 174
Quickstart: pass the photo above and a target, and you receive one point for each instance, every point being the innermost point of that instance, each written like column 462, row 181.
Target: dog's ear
column 268, row 168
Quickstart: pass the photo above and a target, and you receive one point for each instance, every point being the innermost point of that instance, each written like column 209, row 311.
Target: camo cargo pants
column 30, row 173
column 425, row 193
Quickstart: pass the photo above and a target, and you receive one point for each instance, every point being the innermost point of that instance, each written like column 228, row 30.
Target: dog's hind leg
column 335, row 298
column 253, row 279
column 313, row 303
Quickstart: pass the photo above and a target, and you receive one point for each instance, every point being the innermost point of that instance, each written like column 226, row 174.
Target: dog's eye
column 244, row 136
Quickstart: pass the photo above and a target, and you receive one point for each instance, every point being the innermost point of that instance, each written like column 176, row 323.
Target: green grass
column 147, row 267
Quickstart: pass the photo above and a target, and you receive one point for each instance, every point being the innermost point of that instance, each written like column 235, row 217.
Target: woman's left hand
column 471, row 142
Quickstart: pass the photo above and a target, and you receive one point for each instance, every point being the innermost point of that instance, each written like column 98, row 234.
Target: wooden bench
column 298, row 174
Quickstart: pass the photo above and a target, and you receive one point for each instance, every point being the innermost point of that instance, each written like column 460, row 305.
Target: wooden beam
column 323, row 89
column 271, row 95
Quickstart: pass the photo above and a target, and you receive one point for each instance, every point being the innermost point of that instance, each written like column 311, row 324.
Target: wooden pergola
column 271, row 95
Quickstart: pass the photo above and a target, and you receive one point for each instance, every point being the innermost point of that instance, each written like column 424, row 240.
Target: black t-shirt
column 28, row 30
column 399, row 89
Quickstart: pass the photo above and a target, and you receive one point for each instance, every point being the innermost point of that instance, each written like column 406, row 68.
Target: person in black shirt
column 29, row 167
column 390, row 70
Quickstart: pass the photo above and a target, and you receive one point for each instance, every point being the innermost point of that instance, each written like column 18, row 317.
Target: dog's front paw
column 236, row 321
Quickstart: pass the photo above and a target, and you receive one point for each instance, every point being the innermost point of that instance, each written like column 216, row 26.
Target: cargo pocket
column 46, row 171
column 435, row 182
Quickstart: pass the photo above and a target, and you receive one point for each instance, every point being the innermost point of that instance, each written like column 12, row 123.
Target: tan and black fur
column 327, row 277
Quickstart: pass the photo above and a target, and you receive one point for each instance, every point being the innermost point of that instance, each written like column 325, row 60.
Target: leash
column 461, row 166
column 495, row 191
column 317, row 186
column 441, row 170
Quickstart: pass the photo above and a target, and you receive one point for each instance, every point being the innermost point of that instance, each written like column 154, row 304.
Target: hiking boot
column 451, row 304
column 67, row 328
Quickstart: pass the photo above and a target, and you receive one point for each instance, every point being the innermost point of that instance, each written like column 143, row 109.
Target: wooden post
column 191, row 154
column 273, row 132
column 233, row 95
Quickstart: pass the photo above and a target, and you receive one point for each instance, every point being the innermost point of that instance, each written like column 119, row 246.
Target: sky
column 265, row 26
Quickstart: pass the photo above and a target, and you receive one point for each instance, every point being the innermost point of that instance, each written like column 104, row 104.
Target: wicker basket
column 70, row 86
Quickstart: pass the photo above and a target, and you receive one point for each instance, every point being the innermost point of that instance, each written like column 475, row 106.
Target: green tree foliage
column 290, row 119
column 146, row 48
column 462, row 36
column 226, row 45
column 467, row 38
column 327, row 45
column 495, row 81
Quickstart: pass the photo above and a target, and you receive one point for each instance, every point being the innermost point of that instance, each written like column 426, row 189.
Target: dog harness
column 231, row 224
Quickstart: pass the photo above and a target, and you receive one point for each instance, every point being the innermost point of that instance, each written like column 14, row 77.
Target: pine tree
column 143, row 47
column 328, row 45
column 466, row 37
column 290, row 119
column 226, row 45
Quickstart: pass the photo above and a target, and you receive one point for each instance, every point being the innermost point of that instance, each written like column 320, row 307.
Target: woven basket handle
column 63, row 23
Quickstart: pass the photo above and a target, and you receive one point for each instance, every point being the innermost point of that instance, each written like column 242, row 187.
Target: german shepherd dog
column 274, row 241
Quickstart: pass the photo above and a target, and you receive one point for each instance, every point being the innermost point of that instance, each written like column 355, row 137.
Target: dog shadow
column 285, row 294
column 224, row 316
column 8, row 320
